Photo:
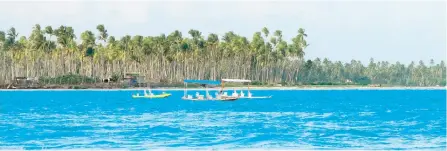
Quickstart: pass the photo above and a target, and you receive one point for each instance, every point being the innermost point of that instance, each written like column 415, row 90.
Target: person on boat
column 217, row 94
column 235, row 94
column 208, row 96
column 150, row 93
column 197, row 94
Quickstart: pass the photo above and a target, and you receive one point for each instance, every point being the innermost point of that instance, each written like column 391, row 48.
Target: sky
column 391, row 31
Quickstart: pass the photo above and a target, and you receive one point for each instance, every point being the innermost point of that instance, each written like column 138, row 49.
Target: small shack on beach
column 134, row 79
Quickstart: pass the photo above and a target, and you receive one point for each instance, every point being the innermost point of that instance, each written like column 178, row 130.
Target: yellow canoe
column 164, row 95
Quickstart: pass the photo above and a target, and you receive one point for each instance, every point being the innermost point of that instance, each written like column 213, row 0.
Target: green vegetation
column 70, row 79
column 59, row 56
column 382, row 73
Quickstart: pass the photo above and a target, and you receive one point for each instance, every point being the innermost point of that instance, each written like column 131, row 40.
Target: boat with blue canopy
column 207, row 96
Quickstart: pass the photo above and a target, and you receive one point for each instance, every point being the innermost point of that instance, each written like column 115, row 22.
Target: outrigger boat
column 242, row 95
column 207, row 96
column 150, row 95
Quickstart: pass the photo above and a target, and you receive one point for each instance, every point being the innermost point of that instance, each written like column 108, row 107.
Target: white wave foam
column 366, row 113
column 216, row 129
column 401, row 123
column 416, row 142
column 306, row 115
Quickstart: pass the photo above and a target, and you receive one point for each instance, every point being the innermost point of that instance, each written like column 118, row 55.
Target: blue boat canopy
column 208, row 82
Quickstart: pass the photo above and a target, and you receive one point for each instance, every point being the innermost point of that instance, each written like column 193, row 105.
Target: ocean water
column 292, row 119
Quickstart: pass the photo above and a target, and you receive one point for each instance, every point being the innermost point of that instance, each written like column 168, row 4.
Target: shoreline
column 245, row 88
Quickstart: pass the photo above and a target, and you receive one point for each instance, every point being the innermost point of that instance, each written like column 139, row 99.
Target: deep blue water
column 294, row 119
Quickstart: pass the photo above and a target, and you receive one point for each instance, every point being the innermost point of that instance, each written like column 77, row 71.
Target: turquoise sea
column 292, row 119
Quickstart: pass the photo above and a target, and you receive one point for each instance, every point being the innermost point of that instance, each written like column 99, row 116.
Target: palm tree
column 124, row 46
column 11, row 37
column 36, row 44
column 267, row 57
column 88, row 44
column 102, row 32
column 265, row 31
column 2, row 39
column 11, row 45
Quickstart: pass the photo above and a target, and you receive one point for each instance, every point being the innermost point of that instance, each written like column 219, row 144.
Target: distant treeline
column 383, row 73
column 266, row 58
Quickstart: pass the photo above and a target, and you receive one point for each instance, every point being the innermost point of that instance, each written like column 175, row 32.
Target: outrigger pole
column 222, row 87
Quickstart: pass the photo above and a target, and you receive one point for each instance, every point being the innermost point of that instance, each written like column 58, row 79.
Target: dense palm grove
column 266, row 58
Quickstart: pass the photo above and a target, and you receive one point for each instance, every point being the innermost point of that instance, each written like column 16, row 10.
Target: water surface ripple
column 292, row 119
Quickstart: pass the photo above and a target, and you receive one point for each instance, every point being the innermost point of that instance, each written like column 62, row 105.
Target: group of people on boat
column 148, row 93
column 242, row 94
column 219, row 95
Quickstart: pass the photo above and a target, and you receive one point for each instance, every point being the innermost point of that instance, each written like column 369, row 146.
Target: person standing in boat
column 235, row 94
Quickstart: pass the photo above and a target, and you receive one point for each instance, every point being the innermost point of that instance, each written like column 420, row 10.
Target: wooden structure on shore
column 24, row 83
column 134, row 80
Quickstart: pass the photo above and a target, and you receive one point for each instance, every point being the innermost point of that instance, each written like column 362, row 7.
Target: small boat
column 242, row 95
column 207, row 96
column 150, row 95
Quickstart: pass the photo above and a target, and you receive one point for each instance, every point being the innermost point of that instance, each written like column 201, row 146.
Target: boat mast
column 248, row 88
column 185, row 90
column 149, row 87
column 206, row 92
column 222, row 88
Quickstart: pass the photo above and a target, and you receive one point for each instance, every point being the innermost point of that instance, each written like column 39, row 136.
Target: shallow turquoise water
column 292, row 119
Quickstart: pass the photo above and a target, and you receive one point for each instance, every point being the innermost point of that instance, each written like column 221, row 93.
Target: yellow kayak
column 164, row 95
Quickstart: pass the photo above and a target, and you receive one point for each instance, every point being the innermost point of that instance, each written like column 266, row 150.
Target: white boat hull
column 256, row 97
column 214, row 99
